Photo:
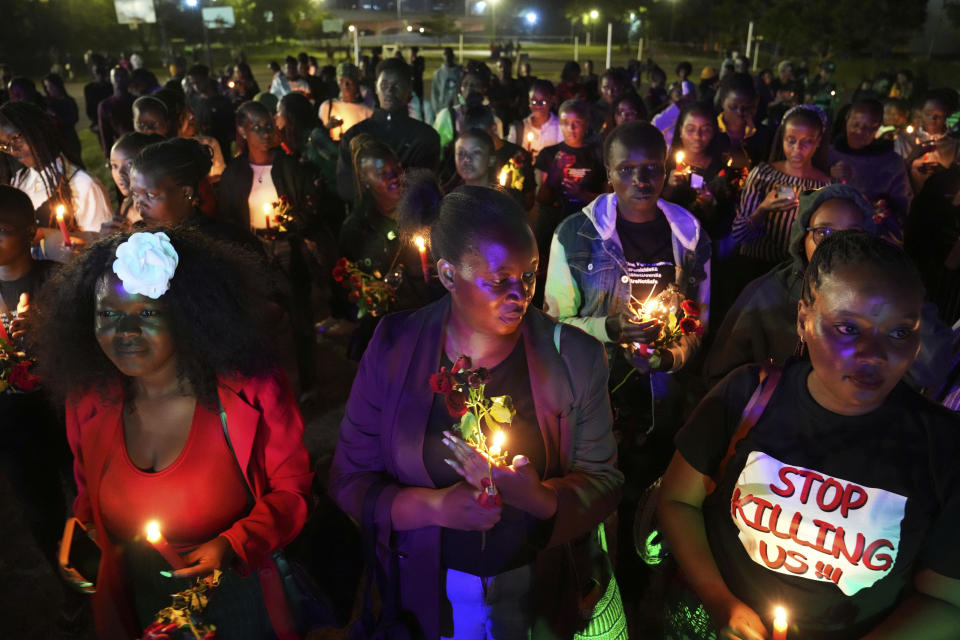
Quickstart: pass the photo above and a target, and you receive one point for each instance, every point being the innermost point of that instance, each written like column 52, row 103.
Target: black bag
column 310, row 608
column 393, row 623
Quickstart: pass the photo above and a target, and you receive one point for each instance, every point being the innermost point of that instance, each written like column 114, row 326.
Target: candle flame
column 231, row 84
column 504, row 176
column 780, row 617
column 421, row 243
column 530, row 137
column 498, row 439
column 267, row 207
column 60, row 210
column 730, row 162
column 679, row 157
column 153, row 532
column 909, row 128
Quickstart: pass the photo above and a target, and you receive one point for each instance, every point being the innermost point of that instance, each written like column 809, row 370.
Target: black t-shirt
column 828, row 515
column 30, row 283
column 583, row 165
column 648, row 250
column 516, row 538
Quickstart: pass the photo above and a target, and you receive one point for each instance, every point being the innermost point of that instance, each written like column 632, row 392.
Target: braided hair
column 41, row 134
column 857, row 248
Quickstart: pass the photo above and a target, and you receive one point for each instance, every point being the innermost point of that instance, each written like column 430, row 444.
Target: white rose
column 145, row 264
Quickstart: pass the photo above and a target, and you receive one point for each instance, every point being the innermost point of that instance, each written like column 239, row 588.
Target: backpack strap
column 769, row 378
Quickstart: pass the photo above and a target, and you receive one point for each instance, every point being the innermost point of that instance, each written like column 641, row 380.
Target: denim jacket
column 587, row 276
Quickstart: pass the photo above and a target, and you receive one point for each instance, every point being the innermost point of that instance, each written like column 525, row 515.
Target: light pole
column 594, row 16
column 493, row 19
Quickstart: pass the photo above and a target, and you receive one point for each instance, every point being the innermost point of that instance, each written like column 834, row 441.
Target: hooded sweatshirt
column 762, row 324
column 586, row 274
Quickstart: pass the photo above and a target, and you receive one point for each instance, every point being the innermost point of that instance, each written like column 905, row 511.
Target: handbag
column 647, row 539
column 393, row 623
column 302, row 606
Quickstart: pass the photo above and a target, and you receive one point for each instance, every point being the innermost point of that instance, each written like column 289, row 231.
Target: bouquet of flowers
column 676, row 316
column 372, row 293
column 182, row 619
column 482, row 420
column 15, row 376
column 511, row 174
column 279, row 216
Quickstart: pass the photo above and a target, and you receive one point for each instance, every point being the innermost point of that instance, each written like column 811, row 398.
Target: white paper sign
column 807, row 524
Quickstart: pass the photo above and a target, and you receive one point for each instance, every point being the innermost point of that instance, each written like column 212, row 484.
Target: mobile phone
column 80, row 555
column 786, row 192
column 696, row 181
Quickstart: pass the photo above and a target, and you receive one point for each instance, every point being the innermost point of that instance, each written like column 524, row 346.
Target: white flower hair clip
column 145, row 264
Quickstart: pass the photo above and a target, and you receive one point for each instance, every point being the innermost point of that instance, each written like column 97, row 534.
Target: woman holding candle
column 840, row 503
column 542, row 127
column 739, row 132
column 30, row 136
column 554, row 492
column 157, row 366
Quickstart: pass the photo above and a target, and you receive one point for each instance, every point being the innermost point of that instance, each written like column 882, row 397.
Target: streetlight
column 493, row 19
column 356, row 44
column 594, row 14
column 531, row 18
column 409, row 28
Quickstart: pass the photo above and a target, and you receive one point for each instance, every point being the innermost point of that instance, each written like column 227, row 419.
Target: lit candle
column 231, row 84
column 779, row 624
column 529, row 141
column 63, row 226
column 422, row 248
column 910, row 129
column 679, row 158
column 504, row 176
column 266, row 213
column 156, row 539
column 498, row 439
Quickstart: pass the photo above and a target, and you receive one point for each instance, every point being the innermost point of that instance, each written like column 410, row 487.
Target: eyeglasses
column 16, row 141
column 817, row 234
column 642, row 172
column 261, row 129
column 539, row 103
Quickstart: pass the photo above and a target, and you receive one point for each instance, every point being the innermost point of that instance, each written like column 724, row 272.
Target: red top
column 199, row 496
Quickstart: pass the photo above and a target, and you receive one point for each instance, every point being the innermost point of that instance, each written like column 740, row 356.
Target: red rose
column 22, row 379
column 486, row 499
column 462, row 364
column 456, row 403
column 690, row 309
column 688, row 326
column 342, row 263
column 441, row 382
column 368, row 301
column 353, row 296
column 338, row 273
column 644, row 349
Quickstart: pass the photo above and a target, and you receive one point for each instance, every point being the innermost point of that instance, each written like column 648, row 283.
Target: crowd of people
column 726, row 312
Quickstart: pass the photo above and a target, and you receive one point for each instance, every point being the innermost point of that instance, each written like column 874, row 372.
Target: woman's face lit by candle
column 800, row 142
column 861, row 129
column 160, row 200
column 494, row 282
column 120, row 170
column 14, row 144
column 696, row 133
column 132, row 329
column 473, row 159
column 862, row 333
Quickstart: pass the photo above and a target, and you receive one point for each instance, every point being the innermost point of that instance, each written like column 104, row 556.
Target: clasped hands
column 519, row 484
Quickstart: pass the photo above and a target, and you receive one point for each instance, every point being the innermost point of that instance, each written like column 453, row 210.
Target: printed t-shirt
column 829, row 516
column 583, row 165
column 648, row 251
column 516, row 538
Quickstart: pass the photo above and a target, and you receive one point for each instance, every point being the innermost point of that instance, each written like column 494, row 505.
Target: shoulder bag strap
column 769, row 378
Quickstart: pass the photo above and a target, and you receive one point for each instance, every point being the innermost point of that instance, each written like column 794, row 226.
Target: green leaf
column 469, row 427
column 501, row 408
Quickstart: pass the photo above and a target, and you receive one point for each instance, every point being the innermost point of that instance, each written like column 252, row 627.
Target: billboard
column 218, row 17
column 135, row 11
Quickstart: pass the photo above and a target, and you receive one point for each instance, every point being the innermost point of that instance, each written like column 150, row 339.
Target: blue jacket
column 587, row 276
